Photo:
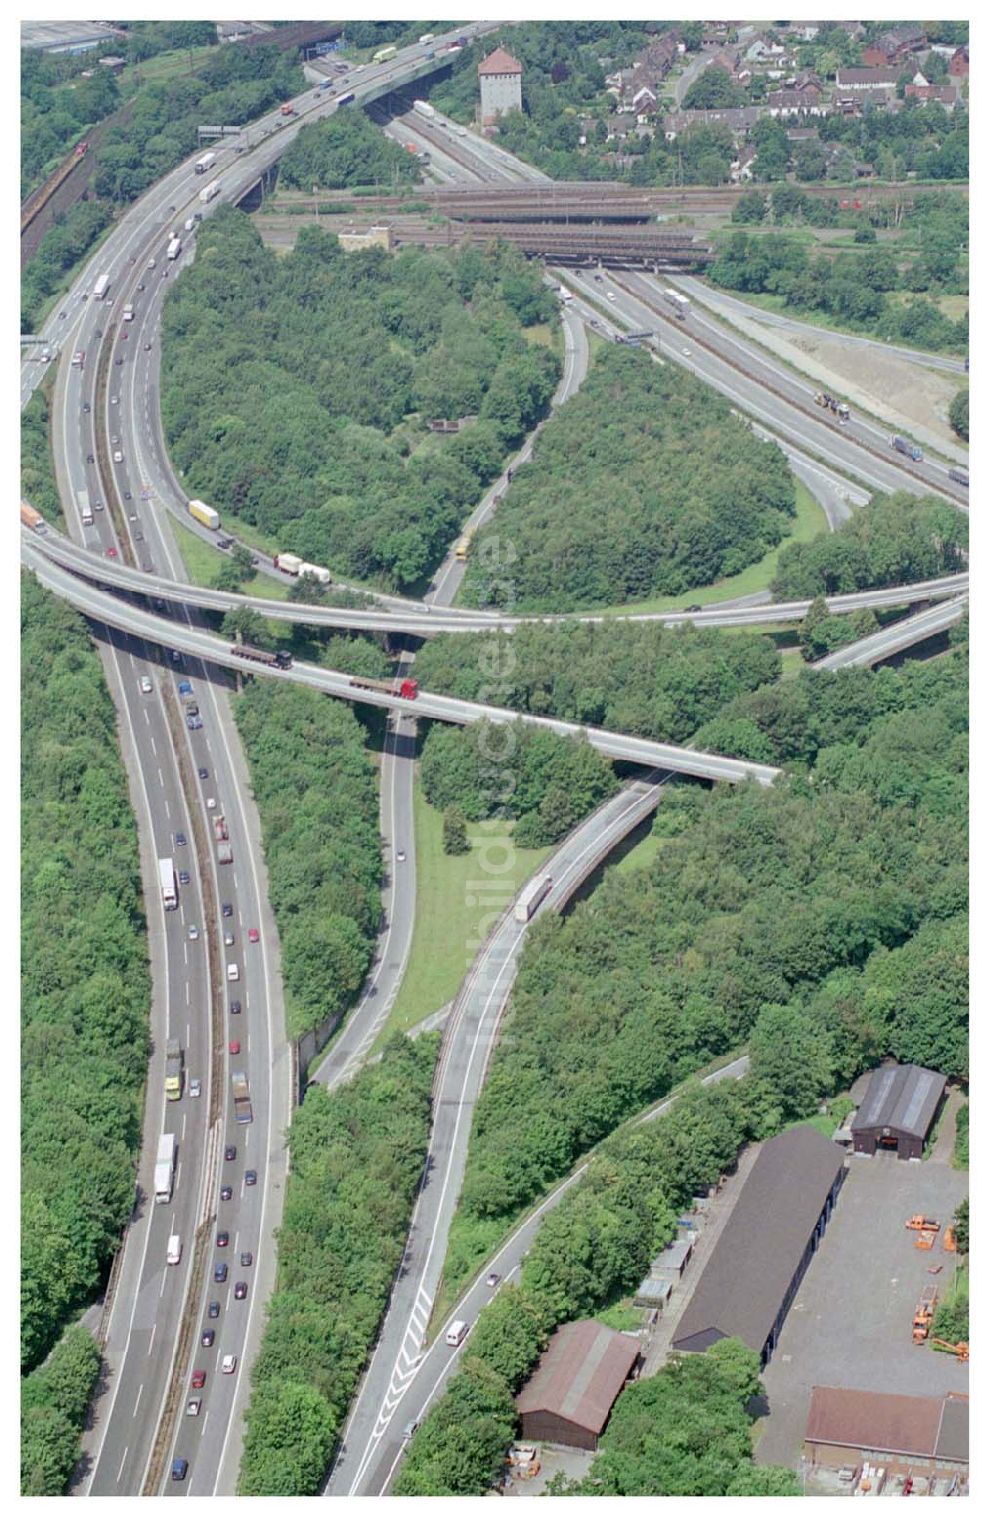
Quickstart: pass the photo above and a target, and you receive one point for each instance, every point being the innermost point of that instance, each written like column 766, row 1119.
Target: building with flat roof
column 897, row 1111
column 903, row 1433
column 581, row 1373
column 763, row 1250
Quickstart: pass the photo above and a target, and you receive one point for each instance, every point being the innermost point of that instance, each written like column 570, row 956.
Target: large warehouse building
column 581, row 1373
column 764, row 1248
column 897, row 1111
column 902, row 1433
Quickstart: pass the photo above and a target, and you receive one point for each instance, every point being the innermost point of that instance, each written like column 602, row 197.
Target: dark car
column 180, row 838
column 235, row 1007
column 693, row 607
column 240, row 1291
column 118, row 360
column 492, row 1279
column 227, row 910
column 213, row 1309
column 250, row 1177
column 207, row 1338
column 203, row 773
column 221, row 1272
column 246, row 1259
column 230, row 1153
column 222, row 1239
column 90, row 459
column 128, row 496
column 226, row 1193
column 185, row 878
column 86, row 406
column 179, row 1468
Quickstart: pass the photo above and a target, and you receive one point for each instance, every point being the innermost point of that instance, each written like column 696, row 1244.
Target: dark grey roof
column 748, row 1274
column 900, row 1098
column 953, row 1434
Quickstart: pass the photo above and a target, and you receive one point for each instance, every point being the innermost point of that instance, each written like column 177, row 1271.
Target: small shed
column 569, row 1397
column 897, row 1111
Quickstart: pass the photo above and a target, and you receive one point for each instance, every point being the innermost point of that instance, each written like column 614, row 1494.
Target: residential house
column 860, row 101
column 920, row 89
column 621, row 125
column 739, row 120
column 867, row 79
column 958, row 67
column 660, row 55
column 895, row 45
column 805, row 31
column 806, row 81
column 785, row 103
column 802, row 134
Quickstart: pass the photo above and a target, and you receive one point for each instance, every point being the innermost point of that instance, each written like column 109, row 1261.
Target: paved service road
column 440, row 1362
column 472, row 1030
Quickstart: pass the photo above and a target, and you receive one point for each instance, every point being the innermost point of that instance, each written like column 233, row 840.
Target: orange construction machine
column 921, row 1223
column 960, row 1348
column 924, row 1314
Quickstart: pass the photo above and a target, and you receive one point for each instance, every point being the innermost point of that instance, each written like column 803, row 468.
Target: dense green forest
column 650, row 679
column 346, row 150
column 38, row 480
column 546, row 782
column 356, row 1158
column 642, row 485
column 54, row 1403
column 593, row 1246
column 891, row 541
column 296, row 390
column 958, row 414
column 318, row 803
column 84, row 980
column 839, row 895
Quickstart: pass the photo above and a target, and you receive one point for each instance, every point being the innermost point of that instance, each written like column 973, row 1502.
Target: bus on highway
column 384, row 54
column 101, row 288
column 85, row 509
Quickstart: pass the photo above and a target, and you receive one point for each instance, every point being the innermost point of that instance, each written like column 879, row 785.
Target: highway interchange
column 164, row 759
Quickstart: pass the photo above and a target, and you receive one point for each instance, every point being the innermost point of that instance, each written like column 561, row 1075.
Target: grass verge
column 450, row 924
column 203, row 562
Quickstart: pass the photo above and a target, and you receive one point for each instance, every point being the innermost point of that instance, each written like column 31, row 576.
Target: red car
column 112, row 553
column 254, row 936
column 198, row 1378
column 234, row 1048
column 222, row 1239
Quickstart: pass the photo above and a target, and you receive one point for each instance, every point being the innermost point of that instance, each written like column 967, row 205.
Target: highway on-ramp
column 374, row 1424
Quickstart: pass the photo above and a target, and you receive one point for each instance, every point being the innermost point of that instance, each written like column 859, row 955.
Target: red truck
column 407, row 687
column 288, row 109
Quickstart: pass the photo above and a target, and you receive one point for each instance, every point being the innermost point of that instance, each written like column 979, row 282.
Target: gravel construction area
column 867, row 376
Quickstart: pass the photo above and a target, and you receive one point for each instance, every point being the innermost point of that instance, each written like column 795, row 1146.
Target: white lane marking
column 153, row 1331
column 159, row 773
column 134, row 1409
column 145, row 714
column 122, row 1464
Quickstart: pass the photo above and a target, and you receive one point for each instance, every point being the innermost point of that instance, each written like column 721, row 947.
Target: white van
column 173, row 1251
column 233, row 972
column 456, row 1333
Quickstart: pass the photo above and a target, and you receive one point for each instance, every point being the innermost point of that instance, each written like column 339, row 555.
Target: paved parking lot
column 850, row 1325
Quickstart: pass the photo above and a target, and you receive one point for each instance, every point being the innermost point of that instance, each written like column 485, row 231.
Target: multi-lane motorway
column 119, row 423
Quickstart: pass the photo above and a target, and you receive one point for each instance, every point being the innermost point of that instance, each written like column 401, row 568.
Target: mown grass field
column 450, row 924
